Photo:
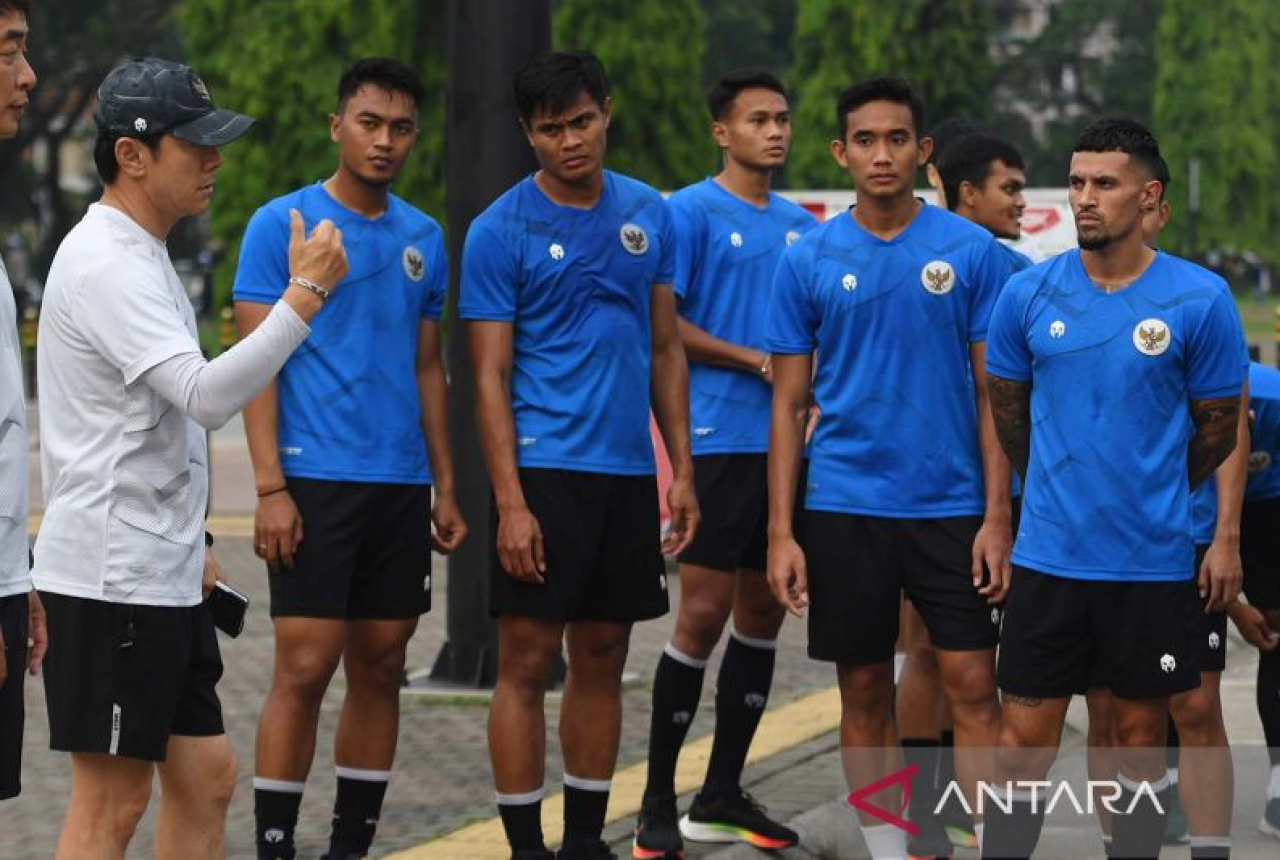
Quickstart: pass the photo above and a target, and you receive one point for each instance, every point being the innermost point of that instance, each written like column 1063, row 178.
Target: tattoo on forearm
column 1215, row 437
column 1011, row 411
column 1025, row 701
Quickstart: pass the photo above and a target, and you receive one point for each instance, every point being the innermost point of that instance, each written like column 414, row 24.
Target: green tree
column 1093, row 59
column 747, row 34
column 652, row 52
column 73, row 44
column 1214, row 101
column 279, row 61
column 940, row 46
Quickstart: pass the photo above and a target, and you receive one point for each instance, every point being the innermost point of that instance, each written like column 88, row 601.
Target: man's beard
column 1093, row 243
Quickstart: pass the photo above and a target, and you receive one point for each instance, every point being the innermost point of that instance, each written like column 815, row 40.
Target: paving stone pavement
column 442, row 777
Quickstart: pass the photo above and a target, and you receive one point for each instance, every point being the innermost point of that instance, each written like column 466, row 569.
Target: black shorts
column 122, row 678
column 365, row 552
column 1061, row 635
column 1260, row 552
column 603, row 550
column 733, row 498
column 858, row 568
column 13, row 629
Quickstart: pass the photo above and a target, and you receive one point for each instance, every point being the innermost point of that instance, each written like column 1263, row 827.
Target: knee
column 524, row 672
column 220, row 779
column 381, row 671
column 864, row 701
column 1198, row 716
column 971, row 686
column 699, row 625
column 1141, row 734
column 599, row 659
column 122, row 807
column 303, row 675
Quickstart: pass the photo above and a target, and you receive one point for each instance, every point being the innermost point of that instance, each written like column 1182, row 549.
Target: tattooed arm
column 1011, row 410
column 1215, row 436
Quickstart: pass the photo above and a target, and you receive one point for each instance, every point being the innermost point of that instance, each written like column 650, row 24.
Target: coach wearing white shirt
column 125, row 397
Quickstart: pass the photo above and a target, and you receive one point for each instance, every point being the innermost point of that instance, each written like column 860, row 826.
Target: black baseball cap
column 148, row 96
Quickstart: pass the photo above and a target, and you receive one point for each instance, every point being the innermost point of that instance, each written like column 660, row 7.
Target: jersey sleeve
column 793, row 317
column 437, row 281
column 262, row 273
column 992, row 268
column 1213, row 351
column 132, row 320
column 667, row 264
column 689, row 239
column 1008, row 353
column 489, row 277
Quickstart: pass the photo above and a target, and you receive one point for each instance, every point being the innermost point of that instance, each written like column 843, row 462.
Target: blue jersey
column 1017, row 260
column 576, row 285
column 349, row 403
column 892, row 322
column 1111, row 378
column 1264, row 450
column 726, row 252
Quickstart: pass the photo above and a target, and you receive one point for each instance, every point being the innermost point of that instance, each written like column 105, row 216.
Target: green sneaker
column 1270, row 823
column 1175, row 823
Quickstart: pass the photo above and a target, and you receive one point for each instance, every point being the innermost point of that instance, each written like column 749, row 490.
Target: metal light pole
column 486, row 154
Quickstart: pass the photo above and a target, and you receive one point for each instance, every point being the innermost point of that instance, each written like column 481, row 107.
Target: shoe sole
column 960, row 837
column 707, row 831
column 641, row 853
column 1266, row 828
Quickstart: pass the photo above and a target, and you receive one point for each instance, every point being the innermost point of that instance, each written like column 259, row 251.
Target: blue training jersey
column 1264, row 450
column 576, row 285
column 893, row 322
column 1112, row 376
column 726, row 253
column 349, row 403
column 1017, row 260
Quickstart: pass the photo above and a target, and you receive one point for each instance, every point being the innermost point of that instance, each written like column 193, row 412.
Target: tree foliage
column 747, row 34
column 1093, row 59
column 279, row 61
column 1215, row 101
column 940, row 46
column 653, row 53
column 73, row 44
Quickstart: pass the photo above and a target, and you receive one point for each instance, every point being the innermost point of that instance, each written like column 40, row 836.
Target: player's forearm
column 261, row 414
column 703, row 347
column 790, row 412
column 996, row 469
column 433, row 392
column 1217, row 426
column 498, row 439
column 1010, row 407
column 1230, row 478
column 669, row 395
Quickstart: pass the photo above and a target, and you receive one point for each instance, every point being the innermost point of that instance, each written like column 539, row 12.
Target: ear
column 925, row 151
column 130, row 156
column 1150, row 197
column 720, row 134
column 968, row 192
column 335, row 120
column 528, row 133
column 839, row 154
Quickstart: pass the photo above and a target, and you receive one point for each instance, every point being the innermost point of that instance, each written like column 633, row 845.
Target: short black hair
column 969, row 159
column 876, row 90
column 723, row 92
column 384, row 72
column 21, row 6
column 104, row 152
column 1161, row 174
column 1127, row 136
column 948, row 130
column 553, row 79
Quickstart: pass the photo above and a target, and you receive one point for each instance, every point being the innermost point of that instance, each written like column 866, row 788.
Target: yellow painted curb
column 781, row 729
